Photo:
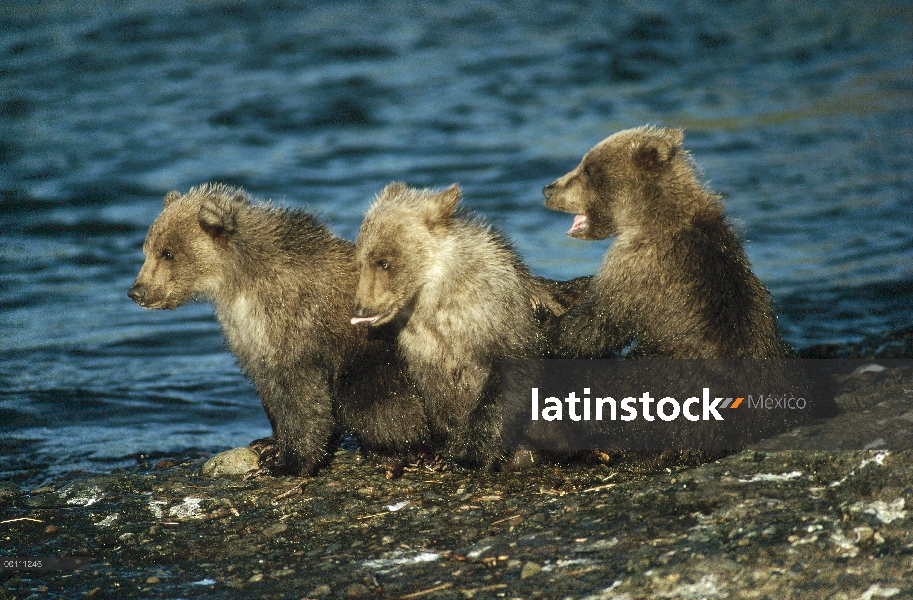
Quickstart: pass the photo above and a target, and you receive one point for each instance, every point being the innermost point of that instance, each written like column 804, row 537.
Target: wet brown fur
column 462, row 301
column 676, row 281
column 282, row 286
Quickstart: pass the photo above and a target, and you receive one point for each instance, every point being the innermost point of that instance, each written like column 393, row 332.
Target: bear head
column 396, row 249
column 186, row 245
column 607, row 188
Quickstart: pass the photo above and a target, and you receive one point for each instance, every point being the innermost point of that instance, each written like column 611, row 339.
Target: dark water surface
column 802, row 116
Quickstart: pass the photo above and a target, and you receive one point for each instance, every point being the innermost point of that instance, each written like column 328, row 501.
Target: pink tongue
column 360, row 320
column 579, row 223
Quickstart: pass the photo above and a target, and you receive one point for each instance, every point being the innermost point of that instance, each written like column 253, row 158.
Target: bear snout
column 364, row 316
column 556, row 196
column 548, row 190
column 360, row 311
column 137, row 293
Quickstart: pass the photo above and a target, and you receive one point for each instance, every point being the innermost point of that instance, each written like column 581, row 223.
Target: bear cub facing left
column 676, row 282
column 282, row 286
column 462, row 301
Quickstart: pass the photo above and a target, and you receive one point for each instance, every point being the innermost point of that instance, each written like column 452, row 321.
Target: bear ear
column 396, row 187
column 658, row 149
column 442, row 205
column 171, row 197
column 218, row 215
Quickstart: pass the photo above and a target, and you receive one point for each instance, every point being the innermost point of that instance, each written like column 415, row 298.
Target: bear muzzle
column 555, row 198
column 548, row 190
column 364, row 316
column 137, row 293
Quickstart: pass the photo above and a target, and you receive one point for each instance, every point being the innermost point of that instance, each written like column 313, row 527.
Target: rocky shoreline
column 772, row 521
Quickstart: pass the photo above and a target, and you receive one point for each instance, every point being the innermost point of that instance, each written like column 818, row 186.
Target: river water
column 799, row 114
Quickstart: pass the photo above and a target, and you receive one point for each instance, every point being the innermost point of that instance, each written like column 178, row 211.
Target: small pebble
column 274, row 529
column 357, row 590
column 165, row 463
column 529, row 569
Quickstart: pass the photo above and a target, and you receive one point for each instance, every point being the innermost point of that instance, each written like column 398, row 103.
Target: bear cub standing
column 462, row 301
column 676, row 282
column 282, row 286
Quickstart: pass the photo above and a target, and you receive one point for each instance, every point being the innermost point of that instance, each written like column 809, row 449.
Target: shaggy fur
column 462, row 301
column 676, row 282
column 282, row 286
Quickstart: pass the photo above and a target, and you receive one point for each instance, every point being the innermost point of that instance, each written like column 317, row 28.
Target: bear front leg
column 589, row 330
column 301, row 406
column 379, row 405
column 388, row 420
column 466, row 417
column 477, row 442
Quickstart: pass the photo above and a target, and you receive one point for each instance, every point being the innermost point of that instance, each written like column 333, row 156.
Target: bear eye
column 167, row 255
column 382, row 264
column 588, row 171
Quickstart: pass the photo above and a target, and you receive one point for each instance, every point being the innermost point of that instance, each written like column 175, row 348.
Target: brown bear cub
column 282, row 286
column 462, row 301
column 676, row 282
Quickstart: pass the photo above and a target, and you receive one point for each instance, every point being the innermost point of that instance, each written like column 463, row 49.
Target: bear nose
column 548, row 190
column 137, row 293
column 360, row 312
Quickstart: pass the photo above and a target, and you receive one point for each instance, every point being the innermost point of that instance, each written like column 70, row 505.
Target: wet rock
column 894, row 344
column 767, row 522
column 876, row 413
column 529, row 569
column 358, row 590
column 237, row 461
column 165, row 463
column 9, row 490
column 87, row 491
column 274, row 530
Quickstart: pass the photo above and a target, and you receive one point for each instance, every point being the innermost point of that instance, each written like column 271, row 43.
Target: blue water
column 802, row 116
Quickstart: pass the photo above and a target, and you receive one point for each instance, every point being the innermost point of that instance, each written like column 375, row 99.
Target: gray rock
column 529, row 569
column 274, row 529
column 237, row 461
column 876, row 413
column 9, row 490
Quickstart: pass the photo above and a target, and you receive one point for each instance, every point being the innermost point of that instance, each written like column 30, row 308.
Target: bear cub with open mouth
column 676, row 282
